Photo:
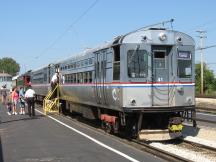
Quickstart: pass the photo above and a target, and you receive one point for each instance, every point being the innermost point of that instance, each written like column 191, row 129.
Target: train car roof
column 40, row 68
column 137, row 36
column 85, row 52
column 150, row 34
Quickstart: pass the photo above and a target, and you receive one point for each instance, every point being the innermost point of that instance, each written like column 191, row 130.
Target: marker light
column 179, row 39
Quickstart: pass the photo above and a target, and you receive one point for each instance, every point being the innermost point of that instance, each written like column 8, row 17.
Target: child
column 22, row 101
column 15, row 98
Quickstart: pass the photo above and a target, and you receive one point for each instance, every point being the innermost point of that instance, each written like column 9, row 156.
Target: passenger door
column 160, row 77
column 100, row 77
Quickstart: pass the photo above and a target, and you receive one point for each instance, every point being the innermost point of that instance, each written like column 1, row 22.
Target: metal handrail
column 50, row 105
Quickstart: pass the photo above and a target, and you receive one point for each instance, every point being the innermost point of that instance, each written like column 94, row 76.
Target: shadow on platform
column 23, row 119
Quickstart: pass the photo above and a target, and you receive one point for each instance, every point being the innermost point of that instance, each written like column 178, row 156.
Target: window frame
column 184, row 59
column 145, row 61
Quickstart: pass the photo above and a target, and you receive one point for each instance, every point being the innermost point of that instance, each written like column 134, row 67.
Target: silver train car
column 40, row 80
column 140, row 82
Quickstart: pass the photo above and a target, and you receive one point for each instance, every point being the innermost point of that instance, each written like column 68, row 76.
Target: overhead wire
column 201, row 25
column 67, row 29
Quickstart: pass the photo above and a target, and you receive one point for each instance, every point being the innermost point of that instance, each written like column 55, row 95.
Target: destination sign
column 184, row 55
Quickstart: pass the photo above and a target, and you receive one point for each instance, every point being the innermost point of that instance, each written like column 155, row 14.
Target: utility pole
column 201, row 36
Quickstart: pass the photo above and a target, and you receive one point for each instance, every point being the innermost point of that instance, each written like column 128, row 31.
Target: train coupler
column 109, row 123
column 176, row 128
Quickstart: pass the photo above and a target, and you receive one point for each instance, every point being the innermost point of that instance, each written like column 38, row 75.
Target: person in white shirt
column 54, row 80
column 30, row 98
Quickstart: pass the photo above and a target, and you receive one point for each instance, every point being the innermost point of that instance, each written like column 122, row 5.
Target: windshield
column 137, row 63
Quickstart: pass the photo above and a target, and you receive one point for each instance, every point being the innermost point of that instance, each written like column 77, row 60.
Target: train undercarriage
column 149, row 126
column 144, row 125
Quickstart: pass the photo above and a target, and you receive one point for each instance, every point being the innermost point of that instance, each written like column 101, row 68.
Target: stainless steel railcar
column 140, row 82
column 40, row 80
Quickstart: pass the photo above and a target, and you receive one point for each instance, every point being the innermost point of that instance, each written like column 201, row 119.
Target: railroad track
column 159, row 152
column 143, row 146
column 206, row 121
column 207, row 110
column 199, row 145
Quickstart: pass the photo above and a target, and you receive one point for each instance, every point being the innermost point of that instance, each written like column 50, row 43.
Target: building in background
column 5, row 80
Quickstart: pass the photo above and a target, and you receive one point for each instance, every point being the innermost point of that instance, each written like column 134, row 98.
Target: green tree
column 9, row 65
column 209, row 80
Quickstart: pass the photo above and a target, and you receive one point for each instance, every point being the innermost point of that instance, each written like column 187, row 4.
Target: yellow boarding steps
column 51, row 105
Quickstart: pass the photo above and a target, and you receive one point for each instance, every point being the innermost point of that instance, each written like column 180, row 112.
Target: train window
column 137, row 63
column 90, row 61
column 45, row 77
column 72, row 78
column 82, row 63
column 90, row 76
column 81, row 77
column 86, row 62
column 116, row 63
column 75, row 78
column 97, row 70
column 69, row 78
column 159, row 59
column 86, row 77
column 184, row 64
column 78, row 64
column 66, row 79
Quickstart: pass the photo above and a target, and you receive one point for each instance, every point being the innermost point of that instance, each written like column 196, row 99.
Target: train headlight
column 189, row 100
column 133, row 102
column 179, row 39
column 162, row 36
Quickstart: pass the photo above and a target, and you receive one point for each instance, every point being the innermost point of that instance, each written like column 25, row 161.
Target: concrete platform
column 43, row 138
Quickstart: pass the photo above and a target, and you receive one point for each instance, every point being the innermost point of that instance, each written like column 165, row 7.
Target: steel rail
column 199, row 145
column 161, row 153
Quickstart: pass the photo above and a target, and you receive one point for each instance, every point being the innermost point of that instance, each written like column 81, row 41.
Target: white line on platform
column 92, row 139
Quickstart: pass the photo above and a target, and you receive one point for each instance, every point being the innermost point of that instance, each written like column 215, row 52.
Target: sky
column 38, row 32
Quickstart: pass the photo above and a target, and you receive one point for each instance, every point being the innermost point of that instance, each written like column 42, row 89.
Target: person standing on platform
column 9, row 104
column 15, row 98
column 22, row 101
column 4, row 94
column 30, row 98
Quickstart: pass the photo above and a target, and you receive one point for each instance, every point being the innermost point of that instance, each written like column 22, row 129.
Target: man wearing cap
column 30, row 98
